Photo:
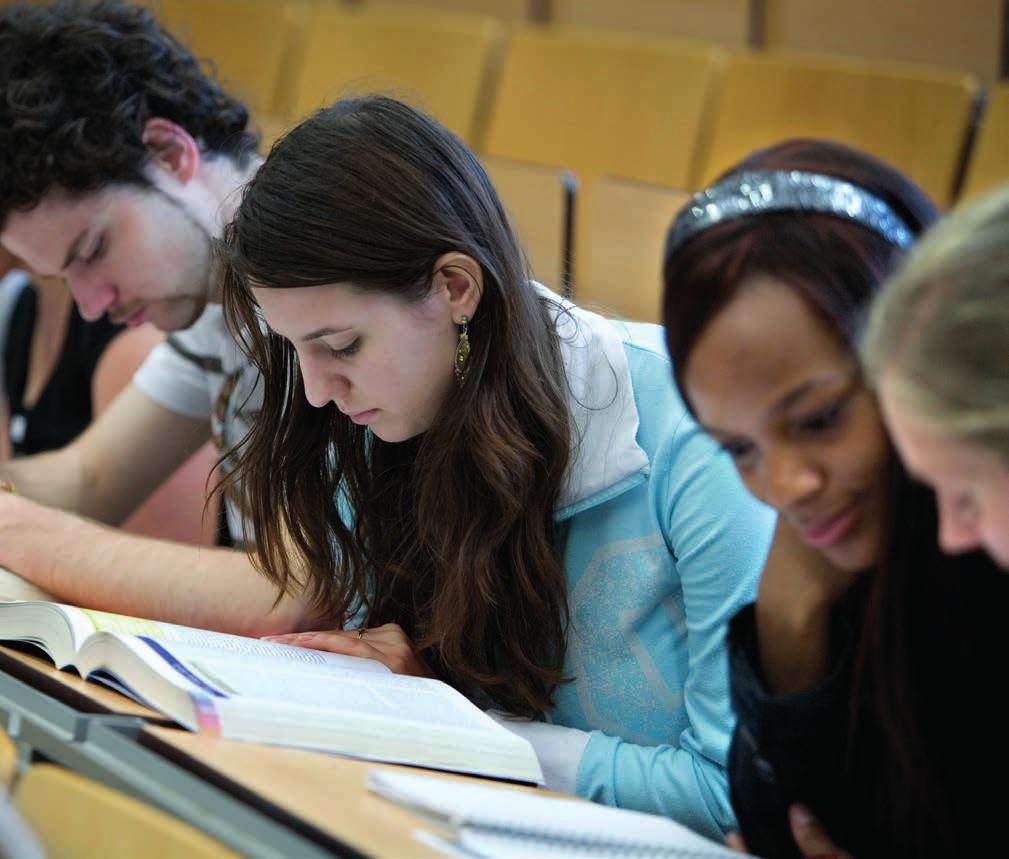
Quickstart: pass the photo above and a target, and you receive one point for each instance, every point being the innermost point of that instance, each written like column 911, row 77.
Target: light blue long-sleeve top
column 661, row 545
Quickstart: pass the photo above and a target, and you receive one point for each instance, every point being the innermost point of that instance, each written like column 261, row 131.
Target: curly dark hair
column 78, row 81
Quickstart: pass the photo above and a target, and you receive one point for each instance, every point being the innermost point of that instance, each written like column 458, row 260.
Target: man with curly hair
column 120, row 163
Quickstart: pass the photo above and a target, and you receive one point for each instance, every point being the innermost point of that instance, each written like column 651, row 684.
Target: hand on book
column 388, row 644
column 810, row 837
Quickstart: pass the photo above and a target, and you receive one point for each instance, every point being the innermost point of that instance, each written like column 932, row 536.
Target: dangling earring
column 462, row 351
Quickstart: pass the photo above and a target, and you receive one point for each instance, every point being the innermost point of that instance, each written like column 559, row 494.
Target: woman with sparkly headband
column 473, row 478
column 861, row 669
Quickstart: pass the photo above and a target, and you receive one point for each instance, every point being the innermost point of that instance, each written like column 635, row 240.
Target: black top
column 802, row 747
column 63, row 408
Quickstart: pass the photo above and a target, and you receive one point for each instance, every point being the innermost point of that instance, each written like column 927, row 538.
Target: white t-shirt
column 201, row 373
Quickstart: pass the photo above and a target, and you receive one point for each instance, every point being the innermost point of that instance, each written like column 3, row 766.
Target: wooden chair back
column 439, row 61
column 603, row 104
column 965, row 36
column 505, row 10
column 540, row 203
column 727, row 22
column 989, row 159
column 77, row 818
column 619, row 248
column 915, row 119
column 250, row 42
column 8, row 749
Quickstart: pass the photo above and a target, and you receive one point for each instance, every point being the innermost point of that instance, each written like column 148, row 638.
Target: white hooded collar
column 604, row 416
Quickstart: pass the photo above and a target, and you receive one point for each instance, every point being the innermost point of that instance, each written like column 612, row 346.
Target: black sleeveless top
column 63, row 409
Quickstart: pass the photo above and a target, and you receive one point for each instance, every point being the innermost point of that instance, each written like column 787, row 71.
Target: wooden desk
column 69, row 688
column 324, row 791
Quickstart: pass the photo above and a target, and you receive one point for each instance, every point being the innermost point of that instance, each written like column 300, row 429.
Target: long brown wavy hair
column 449, row 534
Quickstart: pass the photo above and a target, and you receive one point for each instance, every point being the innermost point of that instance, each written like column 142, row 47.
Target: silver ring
column 361, row 632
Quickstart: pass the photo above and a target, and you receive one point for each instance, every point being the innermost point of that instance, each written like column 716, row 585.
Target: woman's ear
column 171, row 149
column 461, row 277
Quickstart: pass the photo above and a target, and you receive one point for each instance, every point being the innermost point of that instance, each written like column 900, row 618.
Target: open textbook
column 258, row 691
column 497, row 823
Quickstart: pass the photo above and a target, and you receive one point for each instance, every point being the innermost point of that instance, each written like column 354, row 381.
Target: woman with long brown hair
column 473, row 478
column 863, row 675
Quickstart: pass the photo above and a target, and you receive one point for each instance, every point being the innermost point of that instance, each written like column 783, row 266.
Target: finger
column 735, row 841
column 810, row 836
column 296, row 638
column 345, row 641
column 387, row 644
column 390, row 632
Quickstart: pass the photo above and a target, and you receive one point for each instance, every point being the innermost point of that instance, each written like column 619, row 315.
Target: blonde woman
column 937, row 348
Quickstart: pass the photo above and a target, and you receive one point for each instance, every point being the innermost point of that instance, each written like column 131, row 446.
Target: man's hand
column 388, row 644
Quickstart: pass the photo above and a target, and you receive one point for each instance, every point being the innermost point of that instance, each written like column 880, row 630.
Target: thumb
column 809, row 835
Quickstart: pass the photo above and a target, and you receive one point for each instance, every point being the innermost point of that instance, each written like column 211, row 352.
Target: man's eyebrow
column 75, row 246
column 323, row 332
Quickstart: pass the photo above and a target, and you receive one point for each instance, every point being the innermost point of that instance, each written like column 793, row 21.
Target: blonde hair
column 939, row 328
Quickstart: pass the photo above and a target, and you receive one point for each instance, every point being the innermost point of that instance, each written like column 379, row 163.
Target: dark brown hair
column 834, row 264
column 449, row 534
column 837, row 266
column 78, row 81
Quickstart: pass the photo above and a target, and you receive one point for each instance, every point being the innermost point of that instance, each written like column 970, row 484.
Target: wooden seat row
column 657, row 110
column 965, row 36
column 653, row 110
column 72, row 816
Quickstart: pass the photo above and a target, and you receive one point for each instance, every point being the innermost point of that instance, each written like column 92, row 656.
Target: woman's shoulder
column 645, row 341
column 651, row 374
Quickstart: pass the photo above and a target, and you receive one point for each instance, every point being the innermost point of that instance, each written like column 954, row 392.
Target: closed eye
column 99, row 250
column 346, row 351
column 823, row 420
column 740, row 451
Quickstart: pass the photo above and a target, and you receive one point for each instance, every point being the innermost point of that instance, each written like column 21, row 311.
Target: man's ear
column 462, row 279
column 171, row 148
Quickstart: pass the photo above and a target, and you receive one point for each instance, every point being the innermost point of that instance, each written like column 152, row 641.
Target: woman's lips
column 830, row 531
column 363, row 418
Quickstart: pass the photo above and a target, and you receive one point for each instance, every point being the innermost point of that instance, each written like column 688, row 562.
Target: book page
column 379, row 716
column 205, row 641
column 57, row 629
column 254, row 683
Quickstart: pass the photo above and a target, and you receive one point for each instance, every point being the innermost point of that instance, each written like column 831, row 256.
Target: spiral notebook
column 483, row 821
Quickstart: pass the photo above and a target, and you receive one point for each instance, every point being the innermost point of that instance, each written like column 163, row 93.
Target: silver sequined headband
column 758, row 191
